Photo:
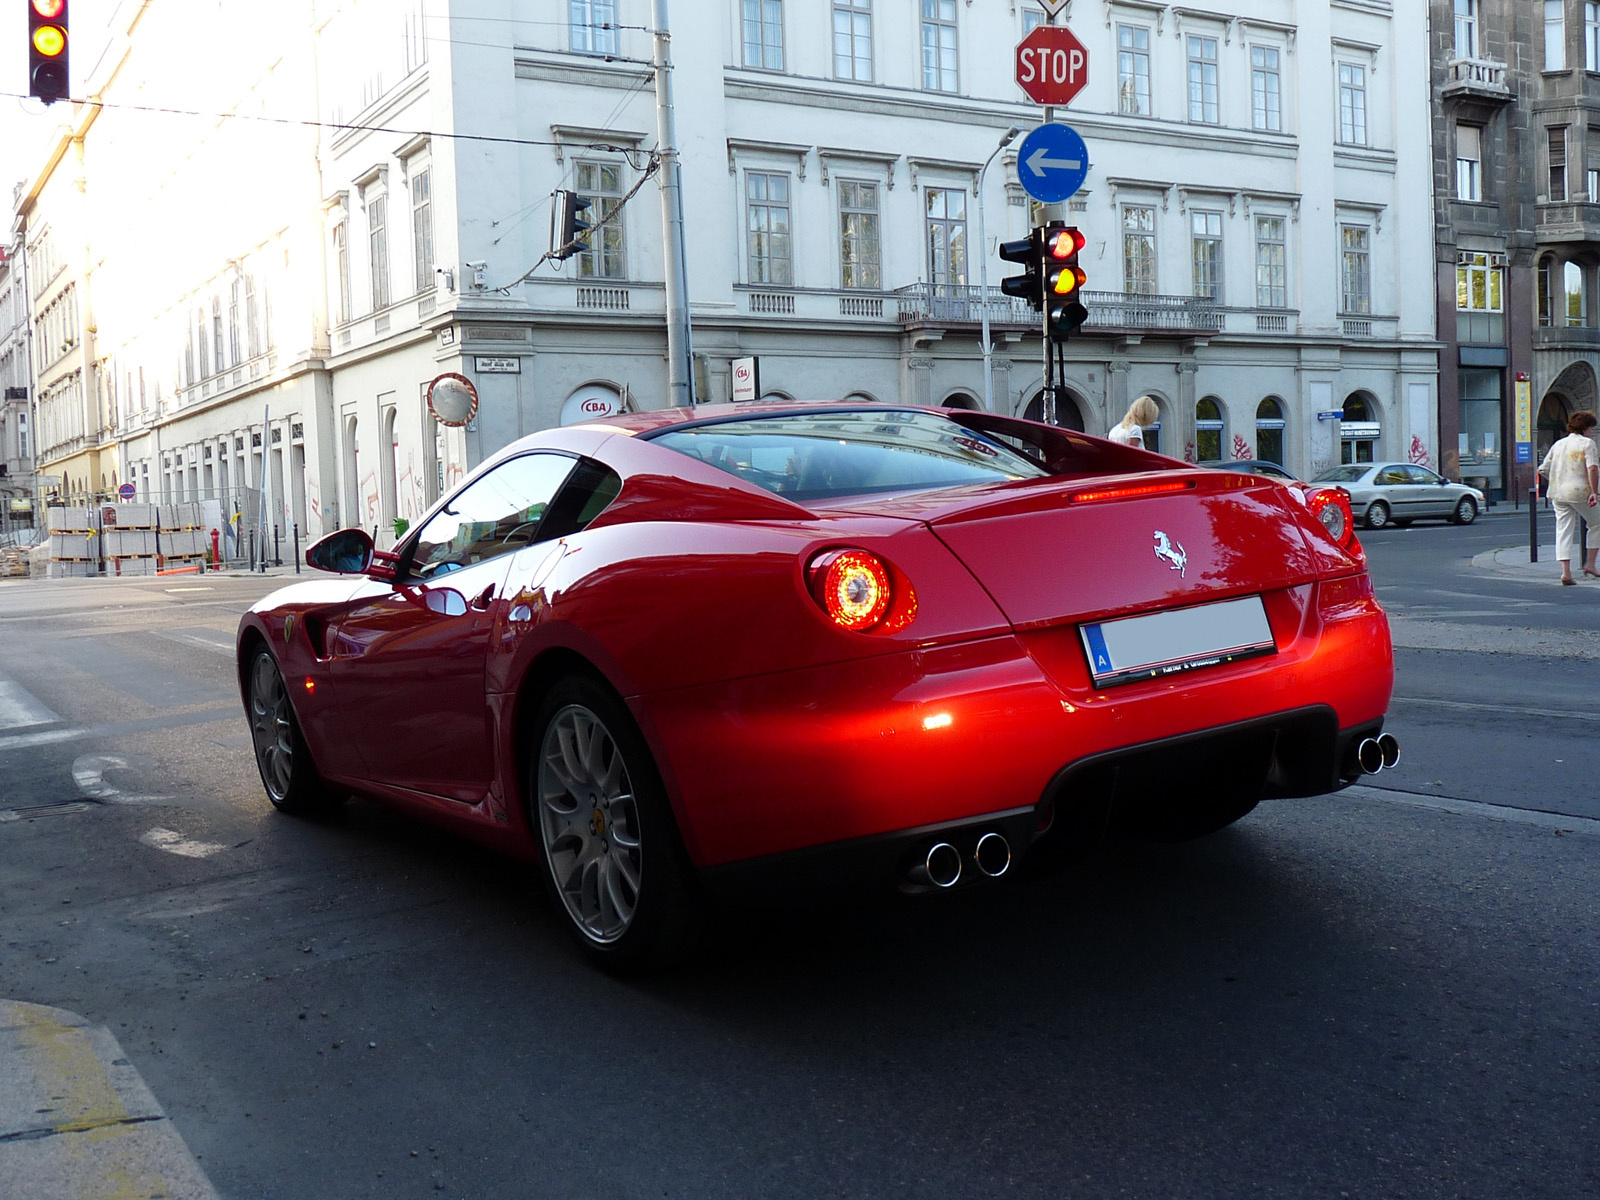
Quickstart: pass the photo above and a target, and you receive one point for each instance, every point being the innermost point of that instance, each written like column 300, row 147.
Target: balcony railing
column 958, row 304
column 1478, row 77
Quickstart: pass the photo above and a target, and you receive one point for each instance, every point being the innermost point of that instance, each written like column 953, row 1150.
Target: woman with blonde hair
column 1141, row 412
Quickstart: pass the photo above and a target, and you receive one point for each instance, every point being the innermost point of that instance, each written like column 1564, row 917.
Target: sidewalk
column 77, row 1121
column 1511, row 562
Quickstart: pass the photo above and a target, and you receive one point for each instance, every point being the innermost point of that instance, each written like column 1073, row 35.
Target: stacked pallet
column 128, row 539
column 184, row 538
column 74, row 542
column 13, row 561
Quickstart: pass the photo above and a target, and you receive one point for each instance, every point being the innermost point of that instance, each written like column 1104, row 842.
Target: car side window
column 499, row 513
column 1420, row 475
column 1391, row 476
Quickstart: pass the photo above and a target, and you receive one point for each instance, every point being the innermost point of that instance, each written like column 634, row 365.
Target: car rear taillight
column 1331, row 507
column 861, row 592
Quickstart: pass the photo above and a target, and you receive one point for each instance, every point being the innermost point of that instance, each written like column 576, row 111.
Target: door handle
column 484, row 599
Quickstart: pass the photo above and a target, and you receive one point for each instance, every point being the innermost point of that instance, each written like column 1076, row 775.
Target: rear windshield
column 815, row 456
column 1347, row 474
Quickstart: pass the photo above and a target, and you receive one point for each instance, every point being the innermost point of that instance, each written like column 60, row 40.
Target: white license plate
column 1181, row 639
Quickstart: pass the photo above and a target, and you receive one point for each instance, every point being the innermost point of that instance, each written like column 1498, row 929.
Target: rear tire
column 1377, row 515
column 1466, row 511
column 611, row 856
column 287, row 770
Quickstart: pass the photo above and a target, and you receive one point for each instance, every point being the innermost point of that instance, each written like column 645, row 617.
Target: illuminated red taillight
column 862, row 593
column 1331, row 507
column 1130, row 491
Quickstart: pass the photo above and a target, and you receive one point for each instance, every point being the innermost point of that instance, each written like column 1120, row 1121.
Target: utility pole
column 680, row 350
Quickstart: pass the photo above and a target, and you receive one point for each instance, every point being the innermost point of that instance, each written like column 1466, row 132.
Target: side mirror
column 347, row 552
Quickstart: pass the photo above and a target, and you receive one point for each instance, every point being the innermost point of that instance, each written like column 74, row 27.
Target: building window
column 601, row 185
column 1591, row 36
column 216, row 332
column 1139, row 250
column 1355, row 269
column 1269, row 431
column 763, row 34
column 1206, row 243
column 1203, row 107
column 1572, row 289
column 233, row 321
column 1466, row 28
column 1352, row 104
column 767, row 223
column 252, row 318
column 594, row 26
column 939, row 58
column 1546, row 288
column 1032, row 18
column 1469, row 162
column 1272, row 271
column 947, row 237
column 1592, row 185
column 1133, row 70
column 1478, row 282
column 1266, row 89
column 859, row 254
column 852, row 40
column 341, row 258
column 1555, row 35
column 1558, row 162
column 378, row 248
column 205, row 352
column 1208, row 430
column 422, row 227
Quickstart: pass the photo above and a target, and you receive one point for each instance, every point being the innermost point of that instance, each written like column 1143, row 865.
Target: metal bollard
column 297, row 547
column 277, row 547
column 1533, row 525
column 252, row 549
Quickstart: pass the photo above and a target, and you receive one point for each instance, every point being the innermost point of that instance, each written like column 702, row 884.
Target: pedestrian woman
column 1573, row 468
column 1130, row 432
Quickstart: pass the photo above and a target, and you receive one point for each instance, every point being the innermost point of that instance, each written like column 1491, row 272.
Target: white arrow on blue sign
column 1052, row 163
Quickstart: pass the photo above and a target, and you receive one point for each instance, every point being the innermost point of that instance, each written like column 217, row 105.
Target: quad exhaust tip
column 1372, row 755
column 941, row 867
column 1390, row 747
column 992, row 854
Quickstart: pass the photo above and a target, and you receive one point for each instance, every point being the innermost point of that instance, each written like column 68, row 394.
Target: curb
column 76, row 1120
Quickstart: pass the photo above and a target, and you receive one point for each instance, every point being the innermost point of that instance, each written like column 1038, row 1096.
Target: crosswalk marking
column 20, row 709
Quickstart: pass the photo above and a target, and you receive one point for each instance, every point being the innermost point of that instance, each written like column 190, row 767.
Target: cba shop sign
column 590, row 404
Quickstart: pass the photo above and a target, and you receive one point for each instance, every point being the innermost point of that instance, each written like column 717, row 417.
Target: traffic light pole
column 680, row 390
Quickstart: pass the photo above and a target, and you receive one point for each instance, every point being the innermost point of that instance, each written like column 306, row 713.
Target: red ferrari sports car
column 674, row 653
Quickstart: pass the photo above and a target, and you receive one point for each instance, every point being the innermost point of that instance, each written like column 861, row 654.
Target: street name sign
column 1052, row 163
column 1052, row 65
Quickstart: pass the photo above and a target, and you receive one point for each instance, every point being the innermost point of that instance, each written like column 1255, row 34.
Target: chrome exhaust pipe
column 1365, row 758
column 1390, row 747
column 993, row 855
column 940, row 867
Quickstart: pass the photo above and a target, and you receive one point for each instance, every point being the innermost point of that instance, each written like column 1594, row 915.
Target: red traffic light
column 47, row 50
column 49, row 9
column 1064, row 243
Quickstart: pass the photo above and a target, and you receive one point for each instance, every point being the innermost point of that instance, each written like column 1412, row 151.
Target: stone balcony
column 1477, row 79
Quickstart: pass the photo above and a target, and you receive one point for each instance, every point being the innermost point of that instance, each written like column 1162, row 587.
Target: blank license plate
column 1177, row 640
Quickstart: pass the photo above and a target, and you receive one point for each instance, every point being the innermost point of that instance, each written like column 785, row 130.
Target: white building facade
column 1256, row 212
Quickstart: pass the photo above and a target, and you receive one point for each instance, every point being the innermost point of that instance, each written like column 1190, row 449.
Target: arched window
column 959, row 400
column 1208, row 429
column 1574, row 305
column 1355, row 408
column 352, row 474
column 389, row 467
column 1269, row 431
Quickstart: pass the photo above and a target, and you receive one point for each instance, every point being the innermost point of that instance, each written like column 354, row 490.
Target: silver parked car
column 1397, row 493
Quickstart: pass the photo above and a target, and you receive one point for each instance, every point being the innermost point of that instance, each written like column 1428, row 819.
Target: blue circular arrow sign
column 1052, row 163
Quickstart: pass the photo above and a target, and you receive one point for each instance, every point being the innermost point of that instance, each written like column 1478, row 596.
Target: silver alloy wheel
column 271, row 726
column 1466, row 511
column 1377, row 515
column 589, row 823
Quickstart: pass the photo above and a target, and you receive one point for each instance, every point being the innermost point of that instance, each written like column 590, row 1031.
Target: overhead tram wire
column 116, row 106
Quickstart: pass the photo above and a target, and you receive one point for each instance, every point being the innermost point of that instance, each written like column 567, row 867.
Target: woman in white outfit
column 1130, row 432
column 1573, row 468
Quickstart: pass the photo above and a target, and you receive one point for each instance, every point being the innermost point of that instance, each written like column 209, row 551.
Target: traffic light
column 567, row 224
column 47, row 50
column 1063, row 279
column 1027, row 285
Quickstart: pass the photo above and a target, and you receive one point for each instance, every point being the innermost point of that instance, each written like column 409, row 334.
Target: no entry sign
column 1052, row 65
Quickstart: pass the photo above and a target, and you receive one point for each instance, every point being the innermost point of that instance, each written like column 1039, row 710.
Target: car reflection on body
column 1397, row 493
column 671, row 656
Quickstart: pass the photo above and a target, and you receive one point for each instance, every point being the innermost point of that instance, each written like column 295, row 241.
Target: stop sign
column 1052, row 65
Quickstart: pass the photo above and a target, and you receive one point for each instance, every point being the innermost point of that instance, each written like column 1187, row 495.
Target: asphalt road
column 1392, row 992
